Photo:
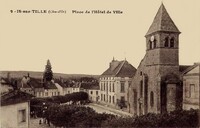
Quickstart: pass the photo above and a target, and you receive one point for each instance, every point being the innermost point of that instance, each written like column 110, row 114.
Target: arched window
column 141, row 88
column 150, row 45
column 172, row 42
column 154, row 43
column 167, row 42
column 151, row 99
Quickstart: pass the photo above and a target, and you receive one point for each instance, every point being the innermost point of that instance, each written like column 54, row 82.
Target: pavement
column 103, row 108
column 34, row 123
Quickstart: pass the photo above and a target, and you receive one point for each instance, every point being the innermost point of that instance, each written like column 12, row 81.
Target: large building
column 156, row 86
column 115, row 82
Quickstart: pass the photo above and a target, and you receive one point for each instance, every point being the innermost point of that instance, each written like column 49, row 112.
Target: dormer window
column 167, row 42
column 172, row 42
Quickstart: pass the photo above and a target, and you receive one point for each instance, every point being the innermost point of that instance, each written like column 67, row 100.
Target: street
column 101, row 109
column 34, row 123
column 104, row 109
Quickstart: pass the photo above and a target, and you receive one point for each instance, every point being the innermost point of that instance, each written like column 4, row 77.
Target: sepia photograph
column 103, row 63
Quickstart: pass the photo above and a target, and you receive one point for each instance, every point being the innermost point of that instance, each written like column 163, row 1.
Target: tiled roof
column 89, row 85
column 162, row 22
column 76, row 85
column 62, row 84
column 14, row 97
column 49, row 85
column 32, row 83
column 182, row 68
column 94, row 88
column 112, row 72
column 123, row 69
column 4, row 81
column 190, row 68
column 35, row 83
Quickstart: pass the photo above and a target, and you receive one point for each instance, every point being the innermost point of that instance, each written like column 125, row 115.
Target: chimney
column 114, row 64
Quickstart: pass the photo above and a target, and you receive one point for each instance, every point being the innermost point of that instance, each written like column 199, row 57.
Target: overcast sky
column 86, row 43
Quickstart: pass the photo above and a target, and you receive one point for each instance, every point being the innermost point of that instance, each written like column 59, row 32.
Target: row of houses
column 16, row 95
column 56, row 87
column 113, row 90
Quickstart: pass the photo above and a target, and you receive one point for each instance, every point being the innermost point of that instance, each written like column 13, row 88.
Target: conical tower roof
column 162, row 22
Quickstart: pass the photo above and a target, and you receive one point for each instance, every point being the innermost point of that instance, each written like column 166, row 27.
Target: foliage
column 48, row 74
column 180, row 118
column 75, row 116
column 36, row 104
column 62, row 115
column 77, row 96
column 119, row 122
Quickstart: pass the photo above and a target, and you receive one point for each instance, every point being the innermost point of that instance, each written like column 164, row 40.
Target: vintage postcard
column 102, row 63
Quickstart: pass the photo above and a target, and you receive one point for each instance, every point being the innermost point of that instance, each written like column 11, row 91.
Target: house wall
column 75, row 89
column 10, row 115
column 110, row 88
column 190, row 97
column 39, row 92
column 47, row 92
column 60, row 89
column 94, row 95
column 152, row 77
column 67, row 90
column 107, row 90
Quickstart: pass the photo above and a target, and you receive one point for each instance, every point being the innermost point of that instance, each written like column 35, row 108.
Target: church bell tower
column 162, row 60
column 162, row 40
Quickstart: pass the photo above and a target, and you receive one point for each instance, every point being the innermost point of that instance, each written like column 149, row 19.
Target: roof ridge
column 190, row 68
column 120, row 67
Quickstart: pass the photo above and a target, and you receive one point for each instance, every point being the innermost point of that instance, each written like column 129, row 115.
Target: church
column 157, row 85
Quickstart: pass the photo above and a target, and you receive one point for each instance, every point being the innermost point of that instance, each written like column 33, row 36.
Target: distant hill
column 20, row 74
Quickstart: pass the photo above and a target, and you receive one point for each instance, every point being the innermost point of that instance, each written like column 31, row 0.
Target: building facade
column 94, row 94
column 15, row 115
column 156, row 86
column 25, row 85
column 15, row 109
column 114, row 83
column 191, row 87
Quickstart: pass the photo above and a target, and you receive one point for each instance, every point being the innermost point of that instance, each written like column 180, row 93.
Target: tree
column 75, row 116
column 48, row 74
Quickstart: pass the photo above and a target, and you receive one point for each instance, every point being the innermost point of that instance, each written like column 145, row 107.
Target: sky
column 87, row 43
